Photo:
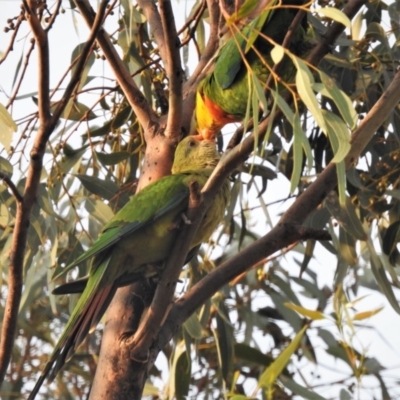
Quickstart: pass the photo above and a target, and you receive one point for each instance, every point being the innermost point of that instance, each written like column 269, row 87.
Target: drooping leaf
column 335, row 14
column 225, row 342
column 5, row 167
column 112, row 158
column 269, row 376
column 301, row 391
column 381, row 278
column 367, row 314
column 193, row 327
column 7, row 128
column 311, row 314
column 106, row 189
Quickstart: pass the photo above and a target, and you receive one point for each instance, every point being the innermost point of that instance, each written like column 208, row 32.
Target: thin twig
column 12, row 39
column 211, row 47
column 144, row 113
column 7, row 180
column 17, row 252
column 156, row 28
column 54, row 16
column 97, row 25
column 23, row 212
column 24, row 68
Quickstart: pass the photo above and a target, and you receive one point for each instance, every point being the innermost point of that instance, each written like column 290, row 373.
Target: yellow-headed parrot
column 139, row 237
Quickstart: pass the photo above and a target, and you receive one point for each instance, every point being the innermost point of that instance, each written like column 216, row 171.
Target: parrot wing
column 230, row 58
column 79, row 285
column 153, row 202
column 143, row 209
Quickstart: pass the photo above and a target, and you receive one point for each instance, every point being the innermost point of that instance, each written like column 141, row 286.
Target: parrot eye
column 192, row 143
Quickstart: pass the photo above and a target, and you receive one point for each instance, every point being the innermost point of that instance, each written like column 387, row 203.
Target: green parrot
column 223, row 95
column 137, row 241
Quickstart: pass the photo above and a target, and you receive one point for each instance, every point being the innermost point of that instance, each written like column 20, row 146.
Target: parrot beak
column 205, row 134
column 198, row 137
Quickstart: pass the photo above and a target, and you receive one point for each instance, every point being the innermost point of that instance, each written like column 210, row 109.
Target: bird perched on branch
column 223, row 96
column 137, row 242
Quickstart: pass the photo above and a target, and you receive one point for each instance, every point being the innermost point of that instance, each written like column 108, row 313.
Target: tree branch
column 43, row 53
column 279, row 236
column 174, row 70
column 24, row 208
column 212, row 44
column 288, row 230
column 144, row 113
column 114, row 364
column 47, row 124
column 156, row 27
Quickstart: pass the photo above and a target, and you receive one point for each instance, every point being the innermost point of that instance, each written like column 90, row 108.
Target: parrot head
column 193, row 153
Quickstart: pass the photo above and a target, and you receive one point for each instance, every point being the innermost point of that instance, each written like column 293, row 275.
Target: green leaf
column 304, row 84
column 106, row 189
column 4, row 215
column 89, row 62
column 112, row 158
column 181, row 373
column 76, row 111
column 193, row 327
column 301, row 391
column 367, row 314
column 115, row 123
column 338, row 134
column 260, row 96
column 391, row 238
column 288, row 315
column 357, row 23
column 277, row 53
column 297, row 157
column 381, row 278
column 346, row 246
column 100, row 211
column 225, row 342
column 335, row 14
column 347, row 216
column 5, row 167
column 34, row 279
column 327, row 337
column 251, row 355
column 312, row 314
column 343, row 102
column 45, row 203
column 269, row 376
column 200, row 36
column 256, row 26
column 245, row 9
column 7, row 128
